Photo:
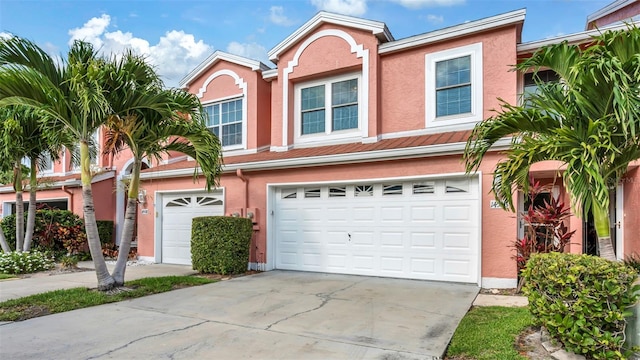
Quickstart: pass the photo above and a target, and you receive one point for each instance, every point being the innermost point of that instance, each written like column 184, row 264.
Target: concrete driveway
column 272, row 315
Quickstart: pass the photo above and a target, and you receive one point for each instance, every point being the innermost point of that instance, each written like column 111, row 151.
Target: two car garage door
column 407, row 229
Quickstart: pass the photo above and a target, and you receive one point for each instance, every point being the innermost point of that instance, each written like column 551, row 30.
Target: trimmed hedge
column 105, row 231
column 220, row 244
column 582, row 301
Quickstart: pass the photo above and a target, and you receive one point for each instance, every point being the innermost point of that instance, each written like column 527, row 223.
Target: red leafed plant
column 545, row 230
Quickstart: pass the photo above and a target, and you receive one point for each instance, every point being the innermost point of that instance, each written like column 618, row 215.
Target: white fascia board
column 580, row 37
column 377, row 28
column 608, row 9
column 218, row 55
column 365, row 156
column 471, row 27
column 270, row 74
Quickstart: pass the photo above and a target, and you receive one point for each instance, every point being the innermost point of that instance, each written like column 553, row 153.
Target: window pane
column 232, row 111
column 232, row 134
column 313, row 122
column 453, row 101
column 453, row 72
column 345, row 117
column 312, row 98
column 344, row 92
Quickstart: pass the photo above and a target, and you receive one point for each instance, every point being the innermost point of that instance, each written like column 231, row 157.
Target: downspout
column 252, row 247
column 64, row 188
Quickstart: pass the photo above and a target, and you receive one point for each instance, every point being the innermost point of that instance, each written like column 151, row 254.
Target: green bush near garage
column 220, row 244
column 583, row 301
column 105, row 231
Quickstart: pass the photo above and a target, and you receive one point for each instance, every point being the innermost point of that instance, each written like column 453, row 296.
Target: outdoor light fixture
column 142, row 196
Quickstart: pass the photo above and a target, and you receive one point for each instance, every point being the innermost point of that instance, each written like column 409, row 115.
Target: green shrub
column 69, row 261
column 24, row 262
column 47, row 224
column 220, row 244
column 105, row 231
column 582, row 300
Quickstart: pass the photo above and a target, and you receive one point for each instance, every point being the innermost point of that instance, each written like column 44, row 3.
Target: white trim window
column 454, row 86
column 95, row 155
column 46, row 164
column 328, row 109
column 226, row 119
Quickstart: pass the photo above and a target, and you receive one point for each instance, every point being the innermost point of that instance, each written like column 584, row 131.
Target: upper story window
column 454, row 86
column 328, row 108
column 532, row 81
column 226, row 120
column 46, row 164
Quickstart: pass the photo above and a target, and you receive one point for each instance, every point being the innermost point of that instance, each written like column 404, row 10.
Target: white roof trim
column 379, row 29
column 70, row 182
column 365, row 156
column 270, row 74
column 218, row 55
column 571, row 38
column 608, row 9
column 471, row 27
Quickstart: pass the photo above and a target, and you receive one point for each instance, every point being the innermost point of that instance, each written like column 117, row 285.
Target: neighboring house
column 348, row 155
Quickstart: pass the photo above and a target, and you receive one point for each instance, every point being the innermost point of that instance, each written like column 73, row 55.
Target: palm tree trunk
column 129, row 224
column 19, row 207
column 3, row 242
column 31, row 215
column 601, row 223
column 105, row 281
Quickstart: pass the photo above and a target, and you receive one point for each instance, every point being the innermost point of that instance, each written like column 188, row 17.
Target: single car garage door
column 177, row 212
column 407, row 229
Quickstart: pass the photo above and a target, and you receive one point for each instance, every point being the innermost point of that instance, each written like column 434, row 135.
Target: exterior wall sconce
column 142, row 197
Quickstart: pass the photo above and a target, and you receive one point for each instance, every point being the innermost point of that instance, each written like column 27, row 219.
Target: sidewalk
column 39, row 283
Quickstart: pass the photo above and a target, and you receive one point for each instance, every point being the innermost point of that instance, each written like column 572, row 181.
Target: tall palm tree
column 150, row 122
column 588, row 120
column 71, row 95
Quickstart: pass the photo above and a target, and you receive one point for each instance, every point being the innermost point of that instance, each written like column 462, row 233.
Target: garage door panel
column 178, row 212
column 399, row 229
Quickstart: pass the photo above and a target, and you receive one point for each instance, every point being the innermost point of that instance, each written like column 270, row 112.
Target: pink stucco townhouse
column 347, row 155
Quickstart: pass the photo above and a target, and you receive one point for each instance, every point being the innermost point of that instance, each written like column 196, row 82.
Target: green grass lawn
column 65, row 300
column 6, row 276
column 489, row 333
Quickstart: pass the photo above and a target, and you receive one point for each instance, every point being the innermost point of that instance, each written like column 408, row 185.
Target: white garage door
column 407, row 229
column 177, row 212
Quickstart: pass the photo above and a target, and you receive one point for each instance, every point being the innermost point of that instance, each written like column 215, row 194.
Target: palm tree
column 71, row 95
column 589, row 121
column 26, row 139
column 150, row 121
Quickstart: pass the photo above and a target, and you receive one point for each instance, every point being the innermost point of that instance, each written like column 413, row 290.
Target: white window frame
column 243, row 144
column 50, row 170
column 476, row 114
column 328, row 135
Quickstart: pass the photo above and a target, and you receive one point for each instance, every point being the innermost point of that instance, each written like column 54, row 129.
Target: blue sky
column 177, row 35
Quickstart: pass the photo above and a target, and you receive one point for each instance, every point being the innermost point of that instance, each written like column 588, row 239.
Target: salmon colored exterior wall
column 627, row 12
column 498, row 228
column 631, row 203
column 403, row 78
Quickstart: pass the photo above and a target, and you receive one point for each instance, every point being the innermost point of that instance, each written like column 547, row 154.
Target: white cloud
column 435, row 19
column 277, row 16
column 91, row 30
column 175, row 54
column 346, row 7
column 253, row 51
column 417, row 4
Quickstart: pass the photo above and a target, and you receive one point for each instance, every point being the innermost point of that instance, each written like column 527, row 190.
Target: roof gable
column 379, row 29
column 217, row 56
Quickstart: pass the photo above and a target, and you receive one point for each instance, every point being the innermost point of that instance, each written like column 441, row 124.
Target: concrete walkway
column 39, row 283
column 271, row 315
